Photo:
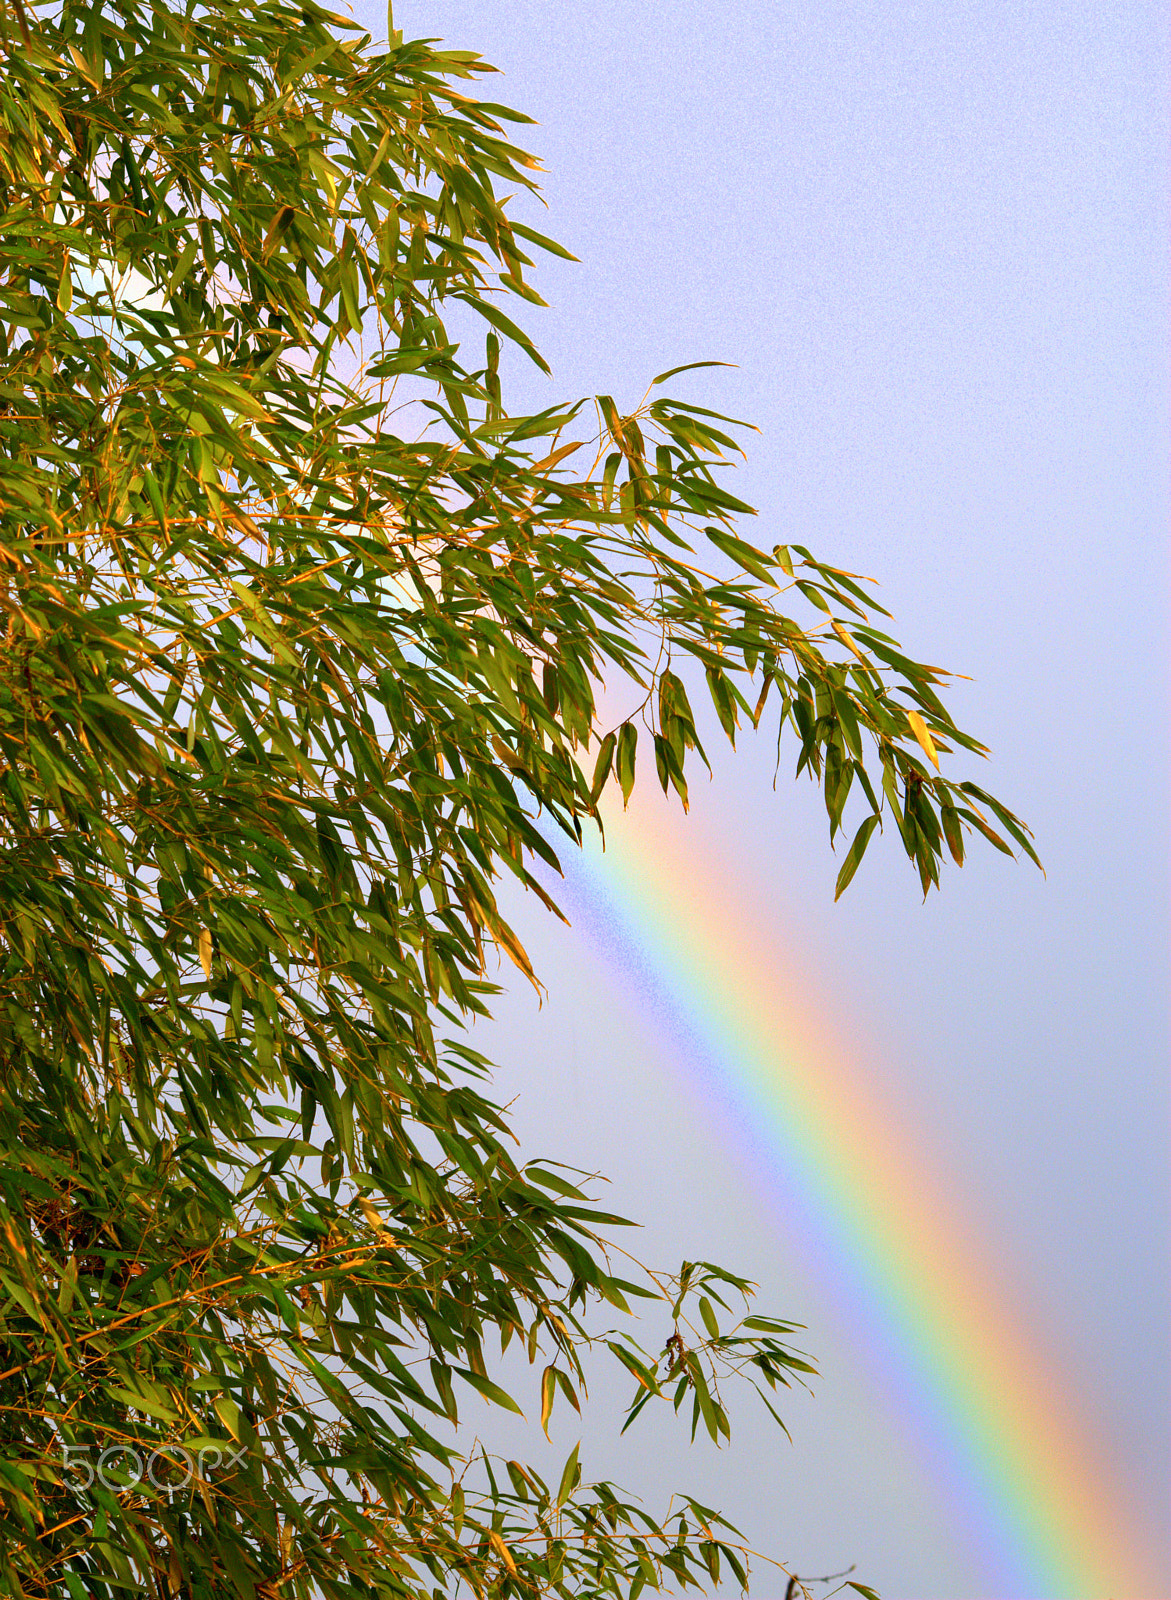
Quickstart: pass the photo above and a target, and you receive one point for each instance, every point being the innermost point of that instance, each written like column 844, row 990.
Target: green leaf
column 602, row 767
column 627, row 743
column 854, row 855
column 745, row 555
column 570, row 1477
column 953, row 833
column 550, row 1180
column 691, row 366
column 989, row 833
column 22, row 1297
column 491, row 1391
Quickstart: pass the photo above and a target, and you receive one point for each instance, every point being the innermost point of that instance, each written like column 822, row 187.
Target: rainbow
column 977, row 1397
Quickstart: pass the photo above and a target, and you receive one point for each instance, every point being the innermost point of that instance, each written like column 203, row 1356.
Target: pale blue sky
column 933, row 237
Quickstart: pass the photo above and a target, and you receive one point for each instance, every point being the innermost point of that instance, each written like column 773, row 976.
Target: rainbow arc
column 983, row 1404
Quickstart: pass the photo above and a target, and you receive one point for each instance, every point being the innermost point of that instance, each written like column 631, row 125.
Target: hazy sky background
column 933, row 238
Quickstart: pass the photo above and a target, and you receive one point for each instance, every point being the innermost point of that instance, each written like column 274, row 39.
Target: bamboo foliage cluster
column 282, row 695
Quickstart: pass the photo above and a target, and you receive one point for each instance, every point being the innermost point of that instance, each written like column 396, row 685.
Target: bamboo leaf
column 627, row 743
column 926, row 743
column 854, row 855
column 570, row 1477
column 491, row 1391
column 548, row 1392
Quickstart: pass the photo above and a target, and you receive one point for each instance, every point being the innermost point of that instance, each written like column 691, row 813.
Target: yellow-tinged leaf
column 548, row 1387
column 849, row 643
column 205, row 951
column 509, row 756
column 518, row 955
column 68, row 1286
column 83, row 66
column 919, row 729
column 276, row 229
column 547, row 463
column 244, row 521
column 229, row 1414
column 502, row 1550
